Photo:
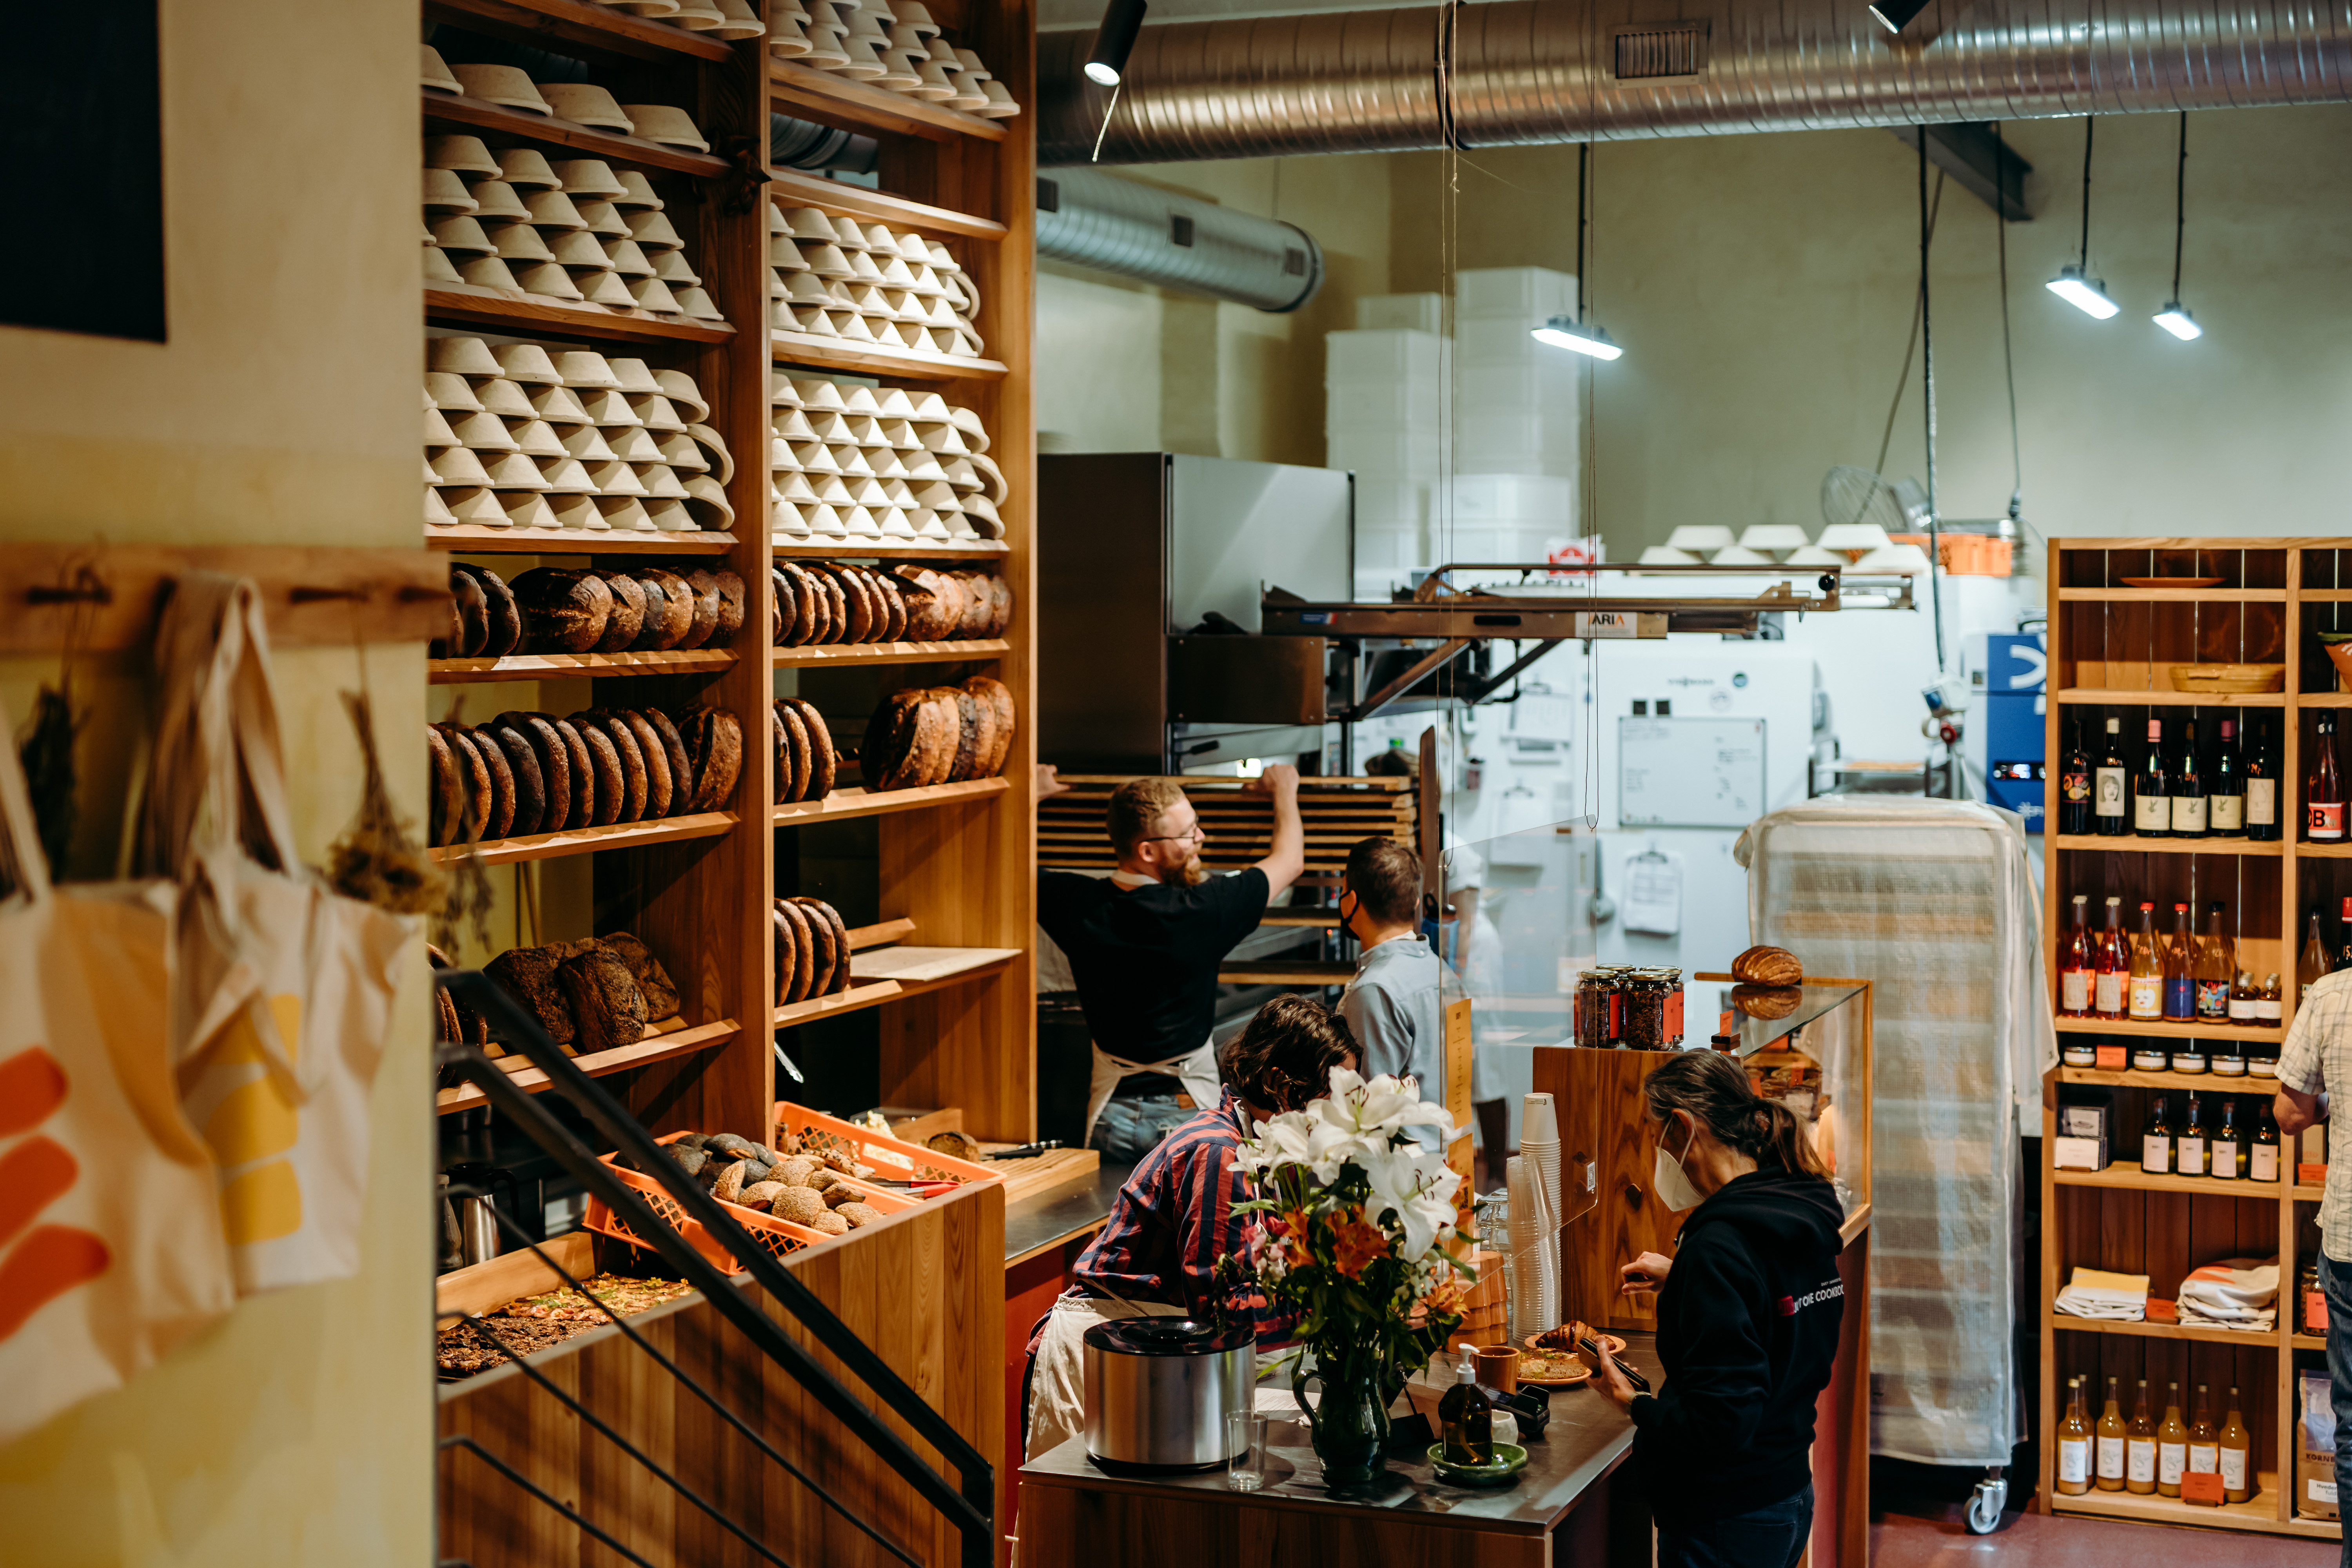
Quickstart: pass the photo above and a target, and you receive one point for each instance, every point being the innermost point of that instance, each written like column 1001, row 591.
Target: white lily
column 1418, row 1188
column 1376, row 1108
column 1295, row 1138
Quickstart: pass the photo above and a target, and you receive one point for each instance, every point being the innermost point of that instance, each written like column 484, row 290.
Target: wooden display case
column 2112, row 648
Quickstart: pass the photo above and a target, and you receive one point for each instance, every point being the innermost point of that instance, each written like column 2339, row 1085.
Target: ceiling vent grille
column 1646, row 54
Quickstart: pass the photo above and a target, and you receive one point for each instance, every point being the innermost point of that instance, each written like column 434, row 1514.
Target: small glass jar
column 1645, row 1011
column 2229, row 1065
column 2261, row 1067
column 2147, row 1059
column 1598, row 1004
column 2190, row 1058
column 2075, row 1055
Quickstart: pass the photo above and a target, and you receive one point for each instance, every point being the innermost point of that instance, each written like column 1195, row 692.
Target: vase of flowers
column 1356, row 1216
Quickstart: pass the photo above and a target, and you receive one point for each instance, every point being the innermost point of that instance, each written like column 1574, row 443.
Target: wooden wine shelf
column 2324, row 700
column 512, row 310
column 2132, row 1177
column 2205, row 1082
column 471, row 114
column 2307, row 1195
column 2171, row 595
column 888, row 549
column 2323, row 851
column 588, row 840
column 473, row 538
column 874, row 359
column 791, row 188
column 2170, row 1029
column 976, row 650
column 2304, row 1341
column 2132, row 843
column 548, row 22
column 2257, row 1512
column 856, row 801
column 2087, row 696
column 573, row 666
column 660, row 1048
column 2067, row 1321
column 838, row 98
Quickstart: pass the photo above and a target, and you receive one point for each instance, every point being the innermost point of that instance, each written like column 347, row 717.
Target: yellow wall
column 281, row 411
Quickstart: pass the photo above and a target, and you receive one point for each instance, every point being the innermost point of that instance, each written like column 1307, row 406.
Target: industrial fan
column 1852, row 494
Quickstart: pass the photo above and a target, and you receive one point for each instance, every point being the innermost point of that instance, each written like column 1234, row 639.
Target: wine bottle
column 2074, row 1444
column 2139, row 1447
column 2179, row 968
column 2235, row 1450
column 2188, row 787
column 2267, row 1008
column 2313, row 961
column 2344, row 946
column 2226, row 799
column 2111, row 1443
column 2204, row 1442
column 2217, row 960
column 2075, row 783
column 2242, row 992
column 2227, row 1153
column 2110, row 788
column 2074, row 964
column 2151, row 790
column 2146, row 968
column 2262, row 1154
column 2322, row 788
column 2188, row 1148
column 2110, row 965
column 2156, row 1142
column 2262, row 789
column 2171, row 1445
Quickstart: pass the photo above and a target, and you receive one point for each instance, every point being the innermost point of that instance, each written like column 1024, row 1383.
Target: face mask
column 1668, row 1180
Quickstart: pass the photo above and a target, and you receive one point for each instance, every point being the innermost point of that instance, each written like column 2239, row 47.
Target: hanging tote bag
column 111, row 1249
column 283, row 988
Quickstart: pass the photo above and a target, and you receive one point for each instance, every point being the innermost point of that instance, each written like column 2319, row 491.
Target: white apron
column 1057, row 1385
column 1197, row 1072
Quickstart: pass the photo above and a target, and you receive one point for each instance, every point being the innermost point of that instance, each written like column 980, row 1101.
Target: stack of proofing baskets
column 1933, row 902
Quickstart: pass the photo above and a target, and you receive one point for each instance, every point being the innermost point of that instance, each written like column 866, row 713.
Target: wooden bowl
column 2228, row 677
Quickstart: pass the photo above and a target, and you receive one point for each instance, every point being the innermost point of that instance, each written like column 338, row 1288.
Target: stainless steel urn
column 1158, row 1390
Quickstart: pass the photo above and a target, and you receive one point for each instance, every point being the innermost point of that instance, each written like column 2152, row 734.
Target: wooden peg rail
column 105, row 598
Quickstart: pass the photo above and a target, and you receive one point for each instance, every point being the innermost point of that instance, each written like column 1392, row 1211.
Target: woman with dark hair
column 1747, row 1322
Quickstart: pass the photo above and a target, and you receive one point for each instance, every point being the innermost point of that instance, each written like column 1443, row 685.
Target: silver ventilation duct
column 1548, row 70
column 1116, row 226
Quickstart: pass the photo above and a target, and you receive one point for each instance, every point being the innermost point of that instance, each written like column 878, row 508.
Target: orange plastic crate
column 1965, row 554
column 893, row 1157
column 781, row 1237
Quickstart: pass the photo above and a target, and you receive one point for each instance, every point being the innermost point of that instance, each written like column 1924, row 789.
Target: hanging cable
column 1910, row 348
column 2089, row 124
column 2007, row 363
column 2179, row 201
column 1927, row 389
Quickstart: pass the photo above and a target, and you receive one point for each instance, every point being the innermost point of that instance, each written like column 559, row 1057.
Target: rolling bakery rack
column 948, row 866
column 2111, row 649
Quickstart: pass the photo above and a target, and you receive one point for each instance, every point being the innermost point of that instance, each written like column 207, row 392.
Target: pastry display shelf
column 2170, row 1030
column 2091, row 844
column 661, row 1045
column 588, row 840
column 2067, row 1321
column 2257, row 1512
column 888, row 973
column 791, row 188
column 2193, row 1082
column 888, row 549
column 856, row 801
column 2117, row 697
column 449, row 113
column 2171, row 595
column 573, row 666
column 874, row 359
column 2123, row 1174
column 838, row 98
column 511, row 310
column 475, row 538
column 976, row 650
column 550, row 23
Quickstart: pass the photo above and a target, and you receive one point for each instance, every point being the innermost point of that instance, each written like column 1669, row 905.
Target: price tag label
column 2203, row 1486
column 2114, row 1058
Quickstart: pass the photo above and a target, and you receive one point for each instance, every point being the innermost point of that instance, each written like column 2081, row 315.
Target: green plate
column 1509, row 1460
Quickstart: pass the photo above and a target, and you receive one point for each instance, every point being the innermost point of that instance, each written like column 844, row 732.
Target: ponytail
column 1713, row 1089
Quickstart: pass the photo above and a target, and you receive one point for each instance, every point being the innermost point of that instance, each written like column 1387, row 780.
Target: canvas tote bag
column 110, row 1244
column 283, row 988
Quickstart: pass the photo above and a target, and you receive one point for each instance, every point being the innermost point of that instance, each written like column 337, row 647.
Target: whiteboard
column 1689, row 772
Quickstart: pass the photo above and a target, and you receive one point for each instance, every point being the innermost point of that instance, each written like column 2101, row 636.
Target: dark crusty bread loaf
column 857, row 606
column 583, row 812
column 448, row 791
column 453, row 630
column 818, row 909
column 794, row 944
column 800, row 616
column 500, row 822
column 894, row 627
column 822, row 944
column 984, row 745
column 731, row 595
column 563, row 611
column 677, row 609
column 473, row 613
column 791, row 753
column 528, row 974
column 608, row 788
column 475, row 808
column 660, row 991
column 681, row 767
column 607, row 1008
column 714, row 743
column 554, row 759
column 976, row 603
column 626, row 753
column 779, row 593
column 628, row 618
column 705, row 606
column 656, row 757
column 523, row 767
column 1001, row 697
column 968, row 753
column 824, row 760
column 503, row 635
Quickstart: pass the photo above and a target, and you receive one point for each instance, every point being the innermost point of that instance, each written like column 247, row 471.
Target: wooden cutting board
column 1051, row 1172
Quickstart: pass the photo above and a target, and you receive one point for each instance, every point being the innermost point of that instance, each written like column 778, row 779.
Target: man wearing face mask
column 1749, row 1309
column 1393, row 1005
column 1144, row 945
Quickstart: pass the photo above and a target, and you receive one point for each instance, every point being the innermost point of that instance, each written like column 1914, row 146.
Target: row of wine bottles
column 2193, row 794
column 2150, row 1457
column 2181, row 976
column 2225, row 1151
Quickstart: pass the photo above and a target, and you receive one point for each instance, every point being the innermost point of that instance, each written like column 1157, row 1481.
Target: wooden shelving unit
column 2264, row 611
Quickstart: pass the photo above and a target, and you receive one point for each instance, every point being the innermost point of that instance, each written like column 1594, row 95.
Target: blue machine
column 2006, row 728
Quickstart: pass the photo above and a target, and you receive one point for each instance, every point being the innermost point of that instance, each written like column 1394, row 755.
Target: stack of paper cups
column 1534, row 1256
column 1539, row 1146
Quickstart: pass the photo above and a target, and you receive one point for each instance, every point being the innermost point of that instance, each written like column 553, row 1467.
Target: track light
column 2175, row 319
column 1567, row 332
column 1114, row 41
column 1894, row 14
column 2089, row 295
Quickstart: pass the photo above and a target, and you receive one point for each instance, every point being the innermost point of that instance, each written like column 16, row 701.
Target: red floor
column 1921, row 1538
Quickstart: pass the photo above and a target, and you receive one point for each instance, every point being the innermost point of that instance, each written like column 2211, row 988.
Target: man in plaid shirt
column 1174, row 1218
column 2318, row 1055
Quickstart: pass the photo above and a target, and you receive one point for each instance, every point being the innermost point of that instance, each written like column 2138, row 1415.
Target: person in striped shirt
column 1174, row 1219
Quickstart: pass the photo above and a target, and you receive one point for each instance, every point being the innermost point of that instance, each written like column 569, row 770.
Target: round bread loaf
column 554, row 765
column 976, row 601
column 821, row 947
column 984, row 734
column 583, row 812
column 894, row 608
column 714, row 743
column 776, row 596
column 858, row 1216
column 799, row 1206
column 607, row 787
column 447, row 810
column 1001, row 697
column 731, row 595
column 681, row 768
column 474, row 774
column 705, row 586
column 947, row 613
column 626, row 752
column 804, row 975
column 968, row 755
column 473, row 613
column 916, row 599
column 656, row 757
column 831, row 1224
column 501, row 824
column 818, row 909
column 677, row 609
column 800, row 614
column 787, row 946
column 857, row 606
column 793, row 755
column 563, row 611
column 627, row 621
column 660, row 991
column 505, row 618
column 823, row 762
column 606, row 1005
column 453, row 628
column 1000, row 620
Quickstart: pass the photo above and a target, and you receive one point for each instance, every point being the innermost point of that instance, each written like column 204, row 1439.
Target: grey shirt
column 1393, row 1007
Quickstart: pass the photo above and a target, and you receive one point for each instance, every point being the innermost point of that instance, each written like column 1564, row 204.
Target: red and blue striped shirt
column 1175, row 1217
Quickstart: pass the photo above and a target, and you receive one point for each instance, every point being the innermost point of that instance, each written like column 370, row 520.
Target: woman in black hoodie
column 1747, row 1322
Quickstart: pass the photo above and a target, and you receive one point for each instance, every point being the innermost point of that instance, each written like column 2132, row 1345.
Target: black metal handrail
column 969, row 1507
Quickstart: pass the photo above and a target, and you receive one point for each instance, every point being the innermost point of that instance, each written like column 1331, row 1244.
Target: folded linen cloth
column 2261, row 1322
column 2234, row 1290
column 2096, row 1293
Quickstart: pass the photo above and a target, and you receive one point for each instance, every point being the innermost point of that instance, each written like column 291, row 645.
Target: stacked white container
column 1382, row 411
column 1516, row 419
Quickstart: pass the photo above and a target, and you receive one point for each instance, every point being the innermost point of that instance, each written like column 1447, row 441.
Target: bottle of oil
column 2074, row 1444
column 2111, row 1443
column 2139, row 1447
column 1467, row 1416
column 2204, row 1442
column 2155, row 1142
column 2171, row 1445
column 2236, row 1456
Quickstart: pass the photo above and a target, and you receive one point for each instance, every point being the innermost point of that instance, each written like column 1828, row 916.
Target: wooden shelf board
column 2132, row 843
column 572, row 666
column 917, row 968
column 871, row 107
column 2257, row 1512
column 791, row 188
column 2191, row 1082
column 2173, row 596
column 2306, row 1195
column 2063, row 1321
column 1305, row 973
column 2168, row 1029
column 578, row 22
column 873, row 358
column 1327, row 919
column 2309, row 850
column 870, row 550
column 856, row 801
column 2324, row 596
column 477, row 114
column 587, row 840
column 510, row 309
column 2304, row 1341
column 978, row 648
column 2322, row 700
column 473, row 537
column 2117, row 697
column 2121, row 1175
column 598, row 1064
column 983, row 963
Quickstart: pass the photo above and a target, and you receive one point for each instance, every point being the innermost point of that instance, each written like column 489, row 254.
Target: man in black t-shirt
column 1144, row 945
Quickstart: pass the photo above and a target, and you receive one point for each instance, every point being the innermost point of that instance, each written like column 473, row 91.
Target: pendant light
column 1114, row 41
column 1570, row 332
column 2175, row 317
column 2074, row 283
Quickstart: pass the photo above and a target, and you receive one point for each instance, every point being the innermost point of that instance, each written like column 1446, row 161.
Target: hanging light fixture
column 2175, row 317
column 1896, row 14
column 1570, row 332
column 2074, row 283
column 1114, row 41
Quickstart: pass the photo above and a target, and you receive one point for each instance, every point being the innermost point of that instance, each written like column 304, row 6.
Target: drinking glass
column 1245, row 1446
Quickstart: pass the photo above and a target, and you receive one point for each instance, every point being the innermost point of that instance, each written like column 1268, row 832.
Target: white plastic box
column 1500, row 340
column 1393, row 354
column 1416, row 312
column 1546, row 379
column 1525, row 294
column 1403, row 404
column 1384, row 453
column 1545, row 501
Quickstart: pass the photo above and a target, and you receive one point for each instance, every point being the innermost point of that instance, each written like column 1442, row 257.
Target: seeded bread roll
column 677, row 609
column 626, row 755
column 563, row 611
column 681, row 768
column 448, row 790
column 829, row 1223
column 714, row 743
column 476, row 809
column 1000, row 696
column 823, row 762
column 656, row 756
column 554, row 759
column 473, row 613
column 821, row 946
column 795, row 955
column 607, row 1008
column 821, row 913
column 731, row 595
column 505, row 620
column 500, row 822
column 660, row 990
column 608, row 787
column 528, row 974
column 523, row 766
column 705, row 586
column 627, row 621
column 792, row 753
column 894, row 608
column 859, row 1215
column 800, row 1205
